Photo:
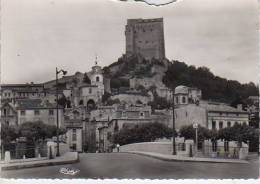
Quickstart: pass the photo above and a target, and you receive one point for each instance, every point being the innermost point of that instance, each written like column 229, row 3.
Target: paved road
column 123, row 165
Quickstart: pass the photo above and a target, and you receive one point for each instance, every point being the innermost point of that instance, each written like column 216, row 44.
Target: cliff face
column 127, row 70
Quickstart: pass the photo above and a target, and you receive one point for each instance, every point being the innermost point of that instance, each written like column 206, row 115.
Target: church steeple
column 96, row 68
column 96, row 63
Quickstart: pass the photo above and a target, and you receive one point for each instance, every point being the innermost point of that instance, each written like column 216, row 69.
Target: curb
column 51, row 163
column 183, row 160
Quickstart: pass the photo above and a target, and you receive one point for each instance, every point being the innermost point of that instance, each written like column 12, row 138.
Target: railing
column 220, row 152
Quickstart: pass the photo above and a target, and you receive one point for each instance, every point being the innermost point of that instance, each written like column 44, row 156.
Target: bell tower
column 97, row 77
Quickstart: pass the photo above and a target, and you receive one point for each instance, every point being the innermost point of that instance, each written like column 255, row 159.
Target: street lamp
column 195, row 126
column 57, row 109
column 173, row 125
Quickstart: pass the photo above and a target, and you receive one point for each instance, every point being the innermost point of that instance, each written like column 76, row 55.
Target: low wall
column 63, row 148
column 155, row 147
column 162, row 146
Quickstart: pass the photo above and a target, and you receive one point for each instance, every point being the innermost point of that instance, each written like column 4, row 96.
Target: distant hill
column 178, row 73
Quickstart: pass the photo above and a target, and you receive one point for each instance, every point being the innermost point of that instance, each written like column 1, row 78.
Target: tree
column 188, row 132
column 8, row 134
column 62, row 101
column 159, row 103
column 240, row 133
column 105, row 97
column 38, row 131
column 117, row 82
column 112, row 102
column 145, row 132
column 139, row 102
column 254, row 121
column 213, row 87
column 86, row 79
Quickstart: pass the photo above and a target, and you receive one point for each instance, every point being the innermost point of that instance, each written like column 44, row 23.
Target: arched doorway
column 91, row 104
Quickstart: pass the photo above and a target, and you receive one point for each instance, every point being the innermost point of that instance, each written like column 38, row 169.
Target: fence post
column 190, row 152
column 7, row 157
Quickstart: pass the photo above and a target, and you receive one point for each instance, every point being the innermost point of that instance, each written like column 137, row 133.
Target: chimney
column 239, row 107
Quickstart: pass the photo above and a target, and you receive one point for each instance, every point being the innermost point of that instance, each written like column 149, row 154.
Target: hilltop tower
column 145, row 37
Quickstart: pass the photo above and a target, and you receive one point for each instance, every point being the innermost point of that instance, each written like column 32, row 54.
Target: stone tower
column 145, row 37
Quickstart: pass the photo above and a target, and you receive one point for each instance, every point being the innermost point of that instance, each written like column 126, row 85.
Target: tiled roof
column 29, row 90
column 35, row 104
column 87, row 85
column 22, row 85
column 220, row 107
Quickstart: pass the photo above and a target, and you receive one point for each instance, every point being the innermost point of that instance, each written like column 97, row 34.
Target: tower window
column 220, row 125
column 183, row 99
column 229, row 124
column 97, row 79
column 213, row 125
column 36, row 112
column 81, row 102
column 51, row 112
column 74, row 135
column 176, row 99
column 22, row 113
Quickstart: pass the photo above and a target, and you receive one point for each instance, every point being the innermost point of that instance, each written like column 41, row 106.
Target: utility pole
column 173, row 124
column 195, row 126
column 57, row 110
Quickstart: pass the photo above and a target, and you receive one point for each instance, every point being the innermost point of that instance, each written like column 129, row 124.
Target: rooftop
column 181, row 90
column 219, row 107
column 134, row 21
column 22, row 85
column 35, row 104
column 87, row 85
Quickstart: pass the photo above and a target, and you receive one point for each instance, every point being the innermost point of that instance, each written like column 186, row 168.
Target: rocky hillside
column 178, row 73
column 133, row 67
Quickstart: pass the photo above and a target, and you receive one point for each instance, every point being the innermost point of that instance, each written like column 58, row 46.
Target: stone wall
column 131, row 98
column 145, row 37
column 44, row 116
column 233, row 150
column 190, row 114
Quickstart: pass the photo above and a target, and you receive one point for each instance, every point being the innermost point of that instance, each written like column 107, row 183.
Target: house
column 9, row 114
column 31, row 110
column 74, row 134
column 184, row 95
column 12, row 92
column 189, row 109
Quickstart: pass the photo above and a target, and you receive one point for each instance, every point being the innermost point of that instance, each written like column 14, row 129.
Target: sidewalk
column 186, row 159
column 67, row 158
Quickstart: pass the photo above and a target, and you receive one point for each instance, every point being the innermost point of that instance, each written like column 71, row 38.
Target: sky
column 39, row 35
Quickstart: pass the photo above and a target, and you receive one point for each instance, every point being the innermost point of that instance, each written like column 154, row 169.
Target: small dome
column 181, row 89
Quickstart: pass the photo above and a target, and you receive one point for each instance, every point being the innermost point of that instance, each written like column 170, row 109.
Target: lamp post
column 195, row 126
column 57, row 109
column 173, row 125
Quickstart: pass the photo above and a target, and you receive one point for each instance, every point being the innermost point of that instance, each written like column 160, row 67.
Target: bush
column 240, row 133
column 112, row 102
column 188, row 132
column 119, row 82
column 213, row 87
column 145, row 132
